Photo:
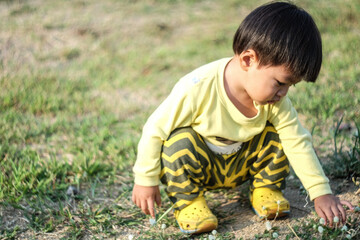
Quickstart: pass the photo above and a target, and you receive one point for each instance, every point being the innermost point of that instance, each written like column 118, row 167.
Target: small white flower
column 278, row 202
column 263, row 208
column 320, row 229
column 336, row 219
column 211, row 237
column 131, row 237
column 357, row 209
column 214, row 232
column 348, row 236
column 344, row 228
column 163, row 226
column 275, row 235
column 268, row 225
column 322, row 221
column 152, row 221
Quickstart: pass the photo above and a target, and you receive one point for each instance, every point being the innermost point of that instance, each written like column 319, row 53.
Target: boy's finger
column 330, row 218
column 343, row 213
column 322, row 215
column 151, row 207
column 158, row 200
column 144, row 207
column 348, row 204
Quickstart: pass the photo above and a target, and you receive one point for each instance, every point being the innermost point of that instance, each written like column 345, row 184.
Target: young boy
column 230, row 121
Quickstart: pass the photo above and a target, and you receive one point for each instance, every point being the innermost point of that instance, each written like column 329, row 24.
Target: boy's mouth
column 272, row 101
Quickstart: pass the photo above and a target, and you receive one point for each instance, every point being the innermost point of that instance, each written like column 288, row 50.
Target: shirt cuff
column 319, row 190
column 147, row 181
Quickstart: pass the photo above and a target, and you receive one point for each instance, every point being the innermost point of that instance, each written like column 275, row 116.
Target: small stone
column 72, row 191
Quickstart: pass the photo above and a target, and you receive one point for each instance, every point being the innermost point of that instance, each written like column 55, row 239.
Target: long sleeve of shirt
column 297, row 144
column 174, row 112
column 199, row 100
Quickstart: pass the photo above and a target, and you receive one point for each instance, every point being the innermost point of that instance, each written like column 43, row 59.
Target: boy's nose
column 283, row 91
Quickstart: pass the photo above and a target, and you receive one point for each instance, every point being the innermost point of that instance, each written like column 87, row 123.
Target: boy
column 230, row 121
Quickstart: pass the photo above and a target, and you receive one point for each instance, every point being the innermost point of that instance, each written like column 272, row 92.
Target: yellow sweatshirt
column 199, row 100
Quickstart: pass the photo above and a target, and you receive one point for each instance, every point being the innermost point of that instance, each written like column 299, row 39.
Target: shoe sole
column 272, row 214
column 206, row 227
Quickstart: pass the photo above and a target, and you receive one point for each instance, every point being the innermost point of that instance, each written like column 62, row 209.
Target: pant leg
column 269, row 164
column 186, row 166
column 262, row 160
column 189, row 167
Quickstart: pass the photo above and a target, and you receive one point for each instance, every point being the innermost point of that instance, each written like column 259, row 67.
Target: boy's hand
column 144, row 198
column 328, row 206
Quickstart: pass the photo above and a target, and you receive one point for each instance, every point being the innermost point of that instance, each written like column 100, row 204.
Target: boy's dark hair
column 282, row 34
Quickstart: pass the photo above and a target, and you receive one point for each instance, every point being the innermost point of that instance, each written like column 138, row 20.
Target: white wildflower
column 322, row 221
column 336, row 219
column 152, row 221
column 320, row 229
column 211, row 237
column 214, row 232
column 163, row 226
column 131, row 237
column 357, row 209
column 268, row 225
column 348, row 236
column 344, row 228
column 275, row 235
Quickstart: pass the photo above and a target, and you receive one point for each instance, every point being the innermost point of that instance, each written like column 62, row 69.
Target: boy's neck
column 234, row 78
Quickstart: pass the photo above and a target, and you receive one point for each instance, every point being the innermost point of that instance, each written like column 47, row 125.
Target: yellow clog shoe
column 269, row 203
column 196, row 218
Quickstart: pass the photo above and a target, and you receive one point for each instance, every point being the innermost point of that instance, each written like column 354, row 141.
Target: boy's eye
column 280, row 83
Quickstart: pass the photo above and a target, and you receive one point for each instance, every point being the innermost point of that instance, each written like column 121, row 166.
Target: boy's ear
column 248, row 58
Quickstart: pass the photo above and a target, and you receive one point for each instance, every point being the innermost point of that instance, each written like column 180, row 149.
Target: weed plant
column 78, row 80
column 345, row 160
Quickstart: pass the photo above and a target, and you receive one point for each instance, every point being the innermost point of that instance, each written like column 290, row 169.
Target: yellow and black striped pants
column 189, row 167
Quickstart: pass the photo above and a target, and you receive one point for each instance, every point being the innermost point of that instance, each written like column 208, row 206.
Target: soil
column 246, row 224
column 236, row 216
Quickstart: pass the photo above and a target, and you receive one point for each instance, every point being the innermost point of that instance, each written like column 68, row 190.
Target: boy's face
column 268, row 84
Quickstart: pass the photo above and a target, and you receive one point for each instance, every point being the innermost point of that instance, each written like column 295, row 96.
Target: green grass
column 79, row 78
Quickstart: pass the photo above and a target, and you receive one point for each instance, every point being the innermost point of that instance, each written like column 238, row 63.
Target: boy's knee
column 182, row 130
column 180, row 139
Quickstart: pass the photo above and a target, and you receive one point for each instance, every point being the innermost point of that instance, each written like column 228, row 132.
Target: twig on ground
column 293, row 231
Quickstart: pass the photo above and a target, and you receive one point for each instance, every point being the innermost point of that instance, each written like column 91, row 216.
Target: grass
column 79, row 78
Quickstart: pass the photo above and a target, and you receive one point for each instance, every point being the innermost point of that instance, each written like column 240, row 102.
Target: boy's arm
column 298, row 148
column 174, row 112
column 297, row 145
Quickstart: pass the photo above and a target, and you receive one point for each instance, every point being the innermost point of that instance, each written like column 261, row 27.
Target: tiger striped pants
column 189, row 167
